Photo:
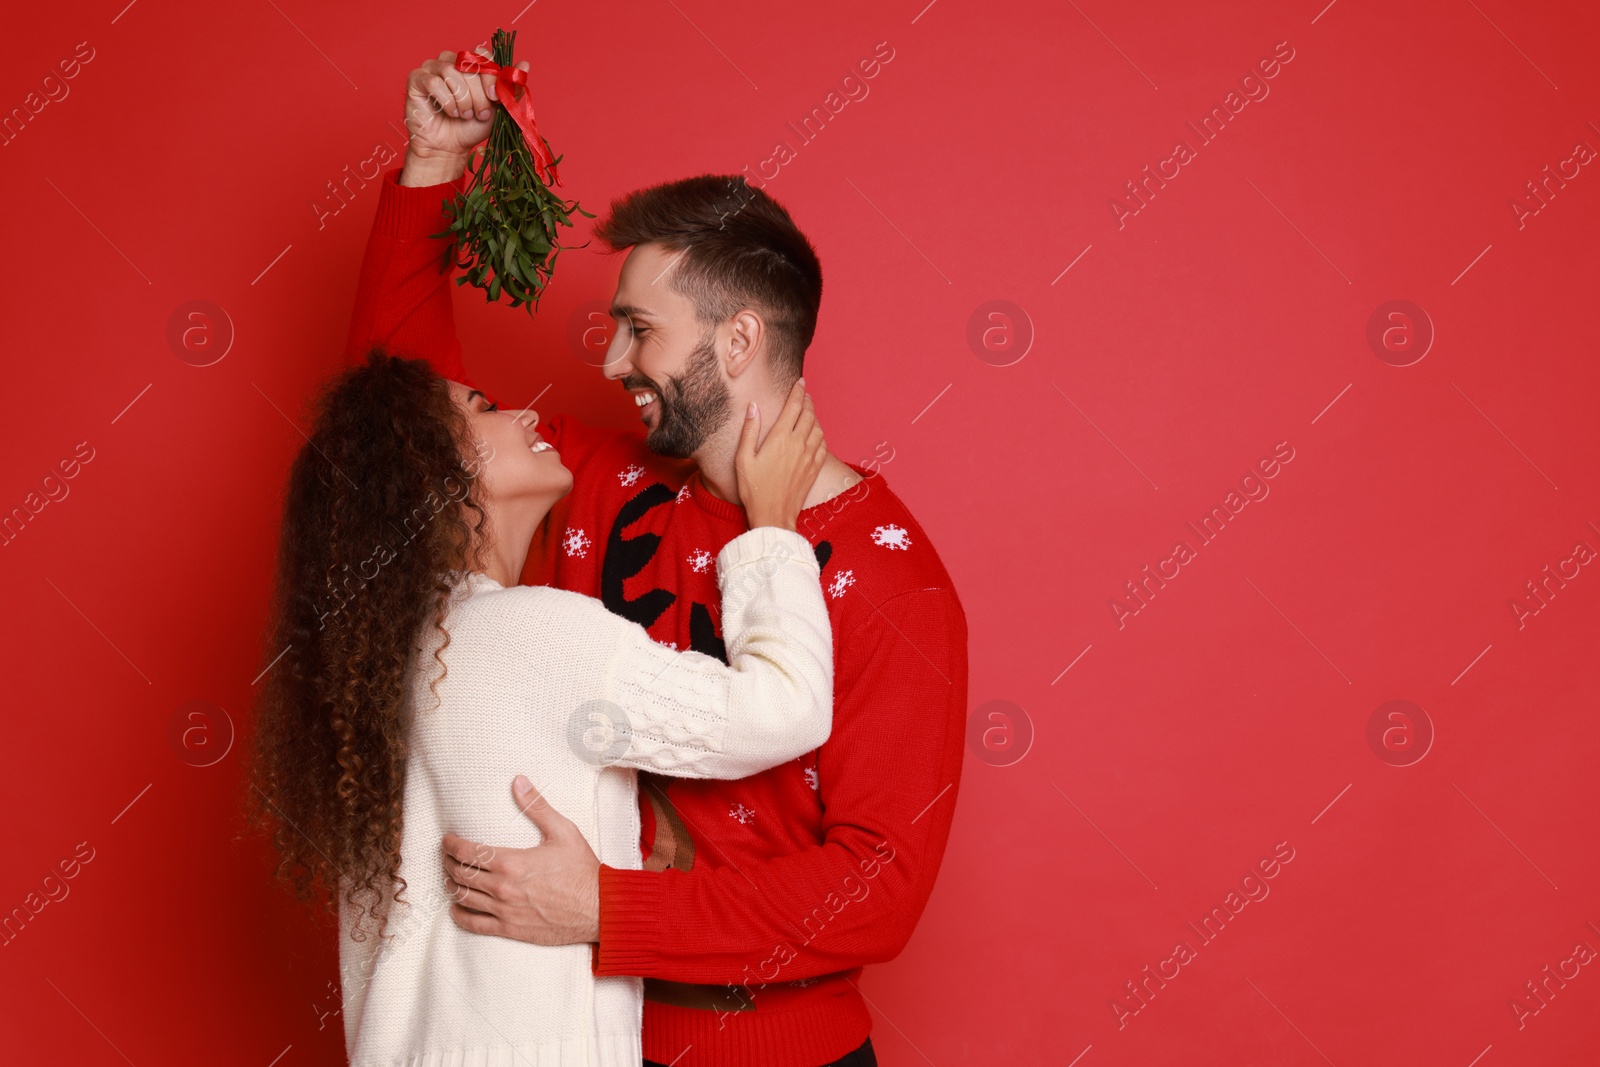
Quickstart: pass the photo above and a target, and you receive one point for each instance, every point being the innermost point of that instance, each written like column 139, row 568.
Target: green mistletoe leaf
column 506, row 219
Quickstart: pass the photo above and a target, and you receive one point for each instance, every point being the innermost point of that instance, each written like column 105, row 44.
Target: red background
column 1228, row 315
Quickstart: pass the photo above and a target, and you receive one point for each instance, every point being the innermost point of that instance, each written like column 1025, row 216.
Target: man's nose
column 618, row 364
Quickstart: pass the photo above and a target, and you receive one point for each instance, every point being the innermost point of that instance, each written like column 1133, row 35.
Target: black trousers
column 861, row 1057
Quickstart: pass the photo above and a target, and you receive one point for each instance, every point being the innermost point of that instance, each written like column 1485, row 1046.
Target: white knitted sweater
column 551, row 684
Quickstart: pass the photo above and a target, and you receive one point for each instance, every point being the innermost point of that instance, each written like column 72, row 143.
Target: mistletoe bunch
column 505, row 223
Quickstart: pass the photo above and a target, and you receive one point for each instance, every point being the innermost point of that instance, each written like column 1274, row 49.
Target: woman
column 420, row 679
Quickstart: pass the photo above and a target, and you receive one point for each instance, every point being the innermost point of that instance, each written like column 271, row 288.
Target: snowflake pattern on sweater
column 891, row 536
column 841, row 583
column 575, row 542
column 657, row 524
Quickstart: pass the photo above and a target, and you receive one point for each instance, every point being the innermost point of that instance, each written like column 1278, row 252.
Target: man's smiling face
column 665, row 356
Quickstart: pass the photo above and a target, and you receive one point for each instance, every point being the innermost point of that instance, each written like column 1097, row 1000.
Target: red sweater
column 762, row 898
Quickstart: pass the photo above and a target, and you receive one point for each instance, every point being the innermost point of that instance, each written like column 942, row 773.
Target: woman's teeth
column 540, row 446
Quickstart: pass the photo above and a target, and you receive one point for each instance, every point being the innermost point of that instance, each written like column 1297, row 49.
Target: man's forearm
column 829, row 908
column 855, row 897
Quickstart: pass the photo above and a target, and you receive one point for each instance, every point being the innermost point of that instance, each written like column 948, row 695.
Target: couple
column 659, row 629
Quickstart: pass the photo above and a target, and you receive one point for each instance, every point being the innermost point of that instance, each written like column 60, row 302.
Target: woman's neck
column 508, row 530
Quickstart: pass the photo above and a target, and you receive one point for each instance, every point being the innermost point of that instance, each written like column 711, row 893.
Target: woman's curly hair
column 377, row 516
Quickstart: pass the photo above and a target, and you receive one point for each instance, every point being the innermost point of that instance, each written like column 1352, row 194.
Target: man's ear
column 746, row 332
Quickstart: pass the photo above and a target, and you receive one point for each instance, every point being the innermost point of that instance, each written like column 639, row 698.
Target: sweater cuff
column 630, row 922
column 765, row 542
column 412, row 211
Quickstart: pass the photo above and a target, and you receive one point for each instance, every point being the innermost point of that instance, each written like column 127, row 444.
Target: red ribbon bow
column 511, row 84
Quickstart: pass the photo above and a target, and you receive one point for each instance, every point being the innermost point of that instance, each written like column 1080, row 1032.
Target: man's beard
column 691, row 406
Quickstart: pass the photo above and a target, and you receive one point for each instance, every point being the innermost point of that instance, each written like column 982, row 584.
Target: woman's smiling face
column 514, row 462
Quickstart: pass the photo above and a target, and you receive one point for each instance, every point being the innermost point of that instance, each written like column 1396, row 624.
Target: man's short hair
column 739, row 249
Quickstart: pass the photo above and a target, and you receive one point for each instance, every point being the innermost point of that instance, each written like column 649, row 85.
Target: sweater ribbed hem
column 409, row 212
column 812, row 518
column 722, row 509
column 821, row 1031
column 630, row 921
column 814, row 1025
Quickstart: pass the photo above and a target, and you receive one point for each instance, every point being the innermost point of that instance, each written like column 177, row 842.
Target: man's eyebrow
column 628, row 311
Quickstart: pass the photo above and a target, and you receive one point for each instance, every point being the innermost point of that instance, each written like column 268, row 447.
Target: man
column 761, row 899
